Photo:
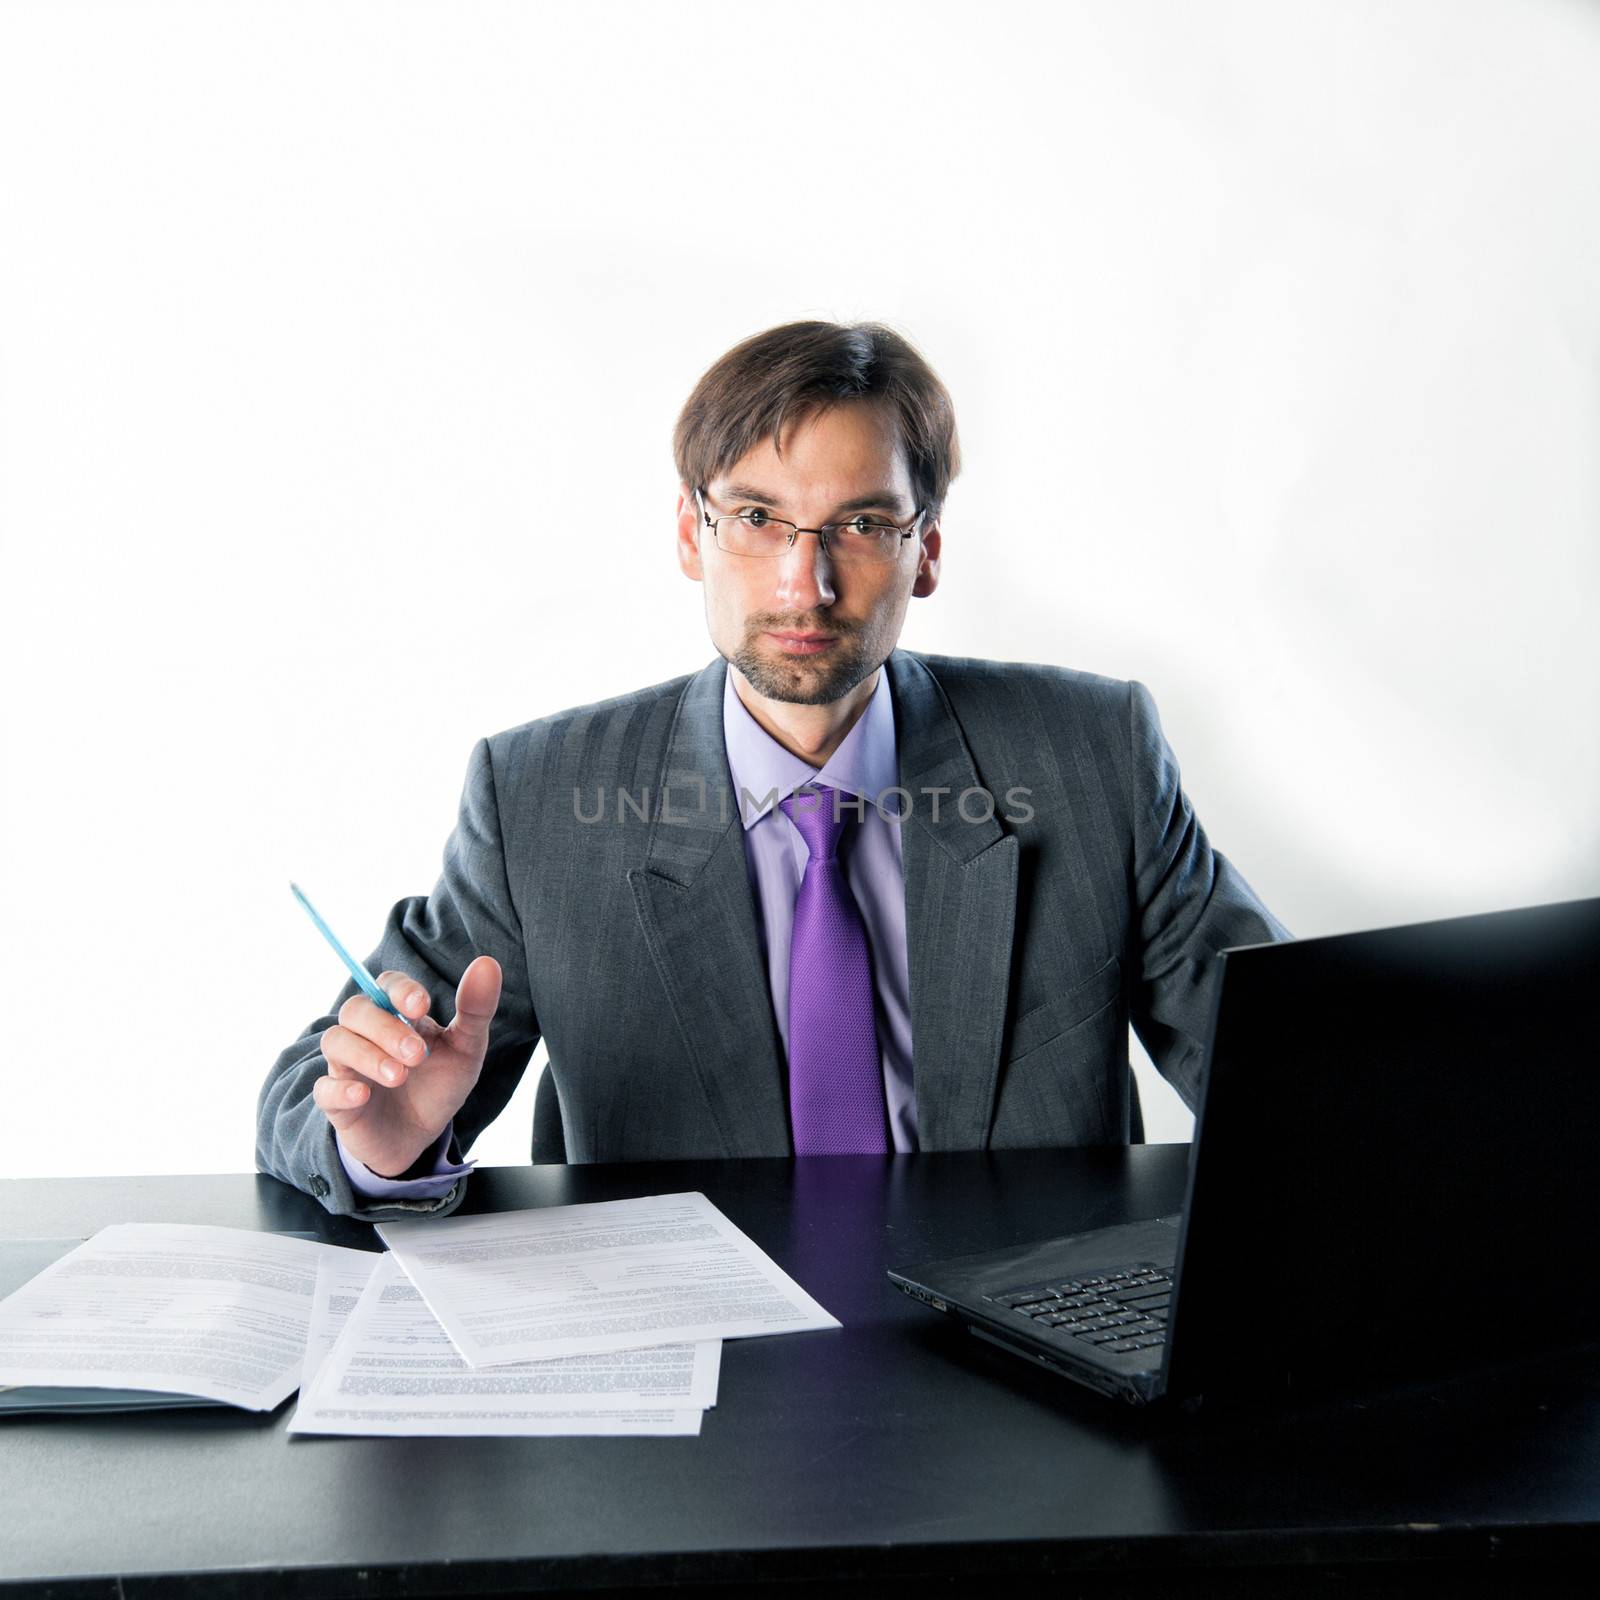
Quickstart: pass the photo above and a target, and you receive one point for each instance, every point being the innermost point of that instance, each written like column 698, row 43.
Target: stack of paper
column 393, row 1370
column 588, row 1319
column 548, row 1321
column 149, row 1313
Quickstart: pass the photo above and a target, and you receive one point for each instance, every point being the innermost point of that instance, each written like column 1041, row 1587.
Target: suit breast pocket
column 1067, row 1010
column 1061, row 1082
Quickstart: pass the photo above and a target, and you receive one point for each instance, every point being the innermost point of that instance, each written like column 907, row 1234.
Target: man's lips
column 803, row 644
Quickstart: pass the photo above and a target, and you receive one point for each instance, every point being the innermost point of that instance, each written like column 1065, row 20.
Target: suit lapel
column 697, row 914
column 961, row 897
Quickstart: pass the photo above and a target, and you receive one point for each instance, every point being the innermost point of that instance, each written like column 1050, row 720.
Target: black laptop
column 1395, row 1173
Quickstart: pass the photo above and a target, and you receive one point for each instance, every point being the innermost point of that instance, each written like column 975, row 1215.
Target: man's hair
column 786, row 374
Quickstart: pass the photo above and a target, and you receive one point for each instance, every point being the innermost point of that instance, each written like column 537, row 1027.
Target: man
column 824, row 896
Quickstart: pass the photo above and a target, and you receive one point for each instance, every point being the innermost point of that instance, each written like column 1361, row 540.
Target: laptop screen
column 1393, row 1166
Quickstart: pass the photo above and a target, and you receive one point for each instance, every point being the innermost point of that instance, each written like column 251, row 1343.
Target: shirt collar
column 865, row 764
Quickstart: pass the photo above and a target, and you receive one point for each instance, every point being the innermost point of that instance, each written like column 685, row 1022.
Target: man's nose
column 805, row 575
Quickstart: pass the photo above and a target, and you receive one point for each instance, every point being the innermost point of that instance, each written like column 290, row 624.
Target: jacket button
column 318, row 1185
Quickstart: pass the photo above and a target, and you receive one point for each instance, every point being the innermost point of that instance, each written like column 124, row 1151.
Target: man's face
column 799, row 627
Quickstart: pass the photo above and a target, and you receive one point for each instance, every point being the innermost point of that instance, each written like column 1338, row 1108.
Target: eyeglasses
column 862, row 540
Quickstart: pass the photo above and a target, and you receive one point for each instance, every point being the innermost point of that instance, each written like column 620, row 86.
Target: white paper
column 581, row 1280
column 393, row 1370
column 22, row 1259
column 341, row 1276
column 178, row 1308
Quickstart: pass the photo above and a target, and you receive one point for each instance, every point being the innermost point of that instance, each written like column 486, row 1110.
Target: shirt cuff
column 433, row 1187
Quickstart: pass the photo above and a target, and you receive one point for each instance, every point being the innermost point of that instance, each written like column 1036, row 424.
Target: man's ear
column 689, row 526
column 928, row 562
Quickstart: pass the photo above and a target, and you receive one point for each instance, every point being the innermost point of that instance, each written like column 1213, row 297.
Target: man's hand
column 386, row 1100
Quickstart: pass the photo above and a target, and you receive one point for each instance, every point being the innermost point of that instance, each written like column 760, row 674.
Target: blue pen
column 369, row 984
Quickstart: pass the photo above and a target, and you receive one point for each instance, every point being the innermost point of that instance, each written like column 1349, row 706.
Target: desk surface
column 896, row 1451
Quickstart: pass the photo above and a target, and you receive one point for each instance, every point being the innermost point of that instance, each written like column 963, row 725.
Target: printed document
column 587, row 1279
column 22, row 1259
column 341, row 1276
column 221, row 1313
column 393, row 1370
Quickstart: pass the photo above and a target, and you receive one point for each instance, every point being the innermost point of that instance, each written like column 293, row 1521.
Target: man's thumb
column 477, row 997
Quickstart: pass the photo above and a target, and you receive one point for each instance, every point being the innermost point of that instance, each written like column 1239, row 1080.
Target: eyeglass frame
column 907, row 531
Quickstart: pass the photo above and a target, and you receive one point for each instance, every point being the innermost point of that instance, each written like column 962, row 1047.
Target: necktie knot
column 816, row 812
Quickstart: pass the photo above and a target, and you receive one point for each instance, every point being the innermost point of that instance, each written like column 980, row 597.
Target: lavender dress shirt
column 866, row 764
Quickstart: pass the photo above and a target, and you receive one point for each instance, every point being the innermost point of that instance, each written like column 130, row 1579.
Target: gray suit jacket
column 631, row 945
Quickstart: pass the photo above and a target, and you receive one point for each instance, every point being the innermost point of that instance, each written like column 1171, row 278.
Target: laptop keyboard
column 1117, row 1311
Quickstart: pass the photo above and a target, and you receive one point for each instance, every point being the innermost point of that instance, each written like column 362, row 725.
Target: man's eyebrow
column 886, row 498
column 744, row 491
column 879, row 497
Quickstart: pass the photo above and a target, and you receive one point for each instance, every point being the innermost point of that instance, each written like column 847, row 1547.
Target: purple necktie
column 835, row 1080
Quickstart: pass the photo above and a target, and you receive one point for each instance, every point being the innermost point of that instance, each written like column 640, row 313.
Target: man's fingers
column 360, row 1016
column 477, row 999
column 350, row 1054
column 341, row 1100
column 410, row 998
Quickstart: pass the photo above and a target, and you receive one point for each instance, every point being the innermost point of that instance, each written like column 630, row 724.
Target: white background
column 341, row 344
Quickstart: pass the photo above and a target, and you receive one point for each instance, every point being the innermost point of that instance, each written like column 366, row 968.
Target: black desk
column 896, row 1455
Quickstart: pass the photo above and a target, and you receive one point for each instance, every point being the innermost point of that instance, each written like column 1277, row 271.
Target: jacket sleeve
column 1189, row 903
column 433, row 939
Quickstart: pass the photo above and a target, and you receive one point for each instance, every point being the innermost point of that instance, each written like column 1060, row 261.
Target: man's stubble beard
column 802, row 680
